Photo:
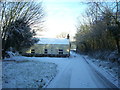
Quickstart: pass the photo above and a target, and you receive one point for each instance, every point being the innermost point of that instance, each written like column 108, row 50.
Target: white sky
column 61, row 16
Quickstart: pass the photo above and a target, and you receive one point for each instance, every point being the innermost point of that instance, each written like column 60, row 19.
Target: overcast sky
column 61, row 16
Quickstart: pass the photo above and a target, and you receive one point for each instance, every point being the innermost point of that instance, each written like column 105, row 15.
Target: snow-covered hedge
column 11, row 55
column 106, row 55
column 108, row 69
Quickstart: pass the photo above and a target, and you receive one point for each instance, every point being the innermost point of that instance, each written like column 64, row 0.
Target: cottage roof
column 53, row 41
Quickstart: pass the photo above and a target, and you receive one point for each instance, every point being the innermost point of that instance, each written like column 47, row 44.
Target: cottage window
column 46, row 51
column 32, row 50
column 60, row 51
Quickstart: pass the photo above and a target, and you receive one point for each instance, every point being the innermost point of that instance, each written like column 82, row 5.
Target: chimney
column 68, row 36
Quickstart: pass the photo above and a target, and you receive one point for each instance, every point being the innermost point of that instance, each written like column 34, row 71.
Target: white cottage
column 49, row 47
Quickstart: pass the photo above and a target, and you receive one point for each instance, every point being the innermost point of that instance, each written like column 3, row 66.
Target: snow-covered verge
column 112, row 56
column 108, row 69
column 31, row 72
column 27, row 74
column 10, row 54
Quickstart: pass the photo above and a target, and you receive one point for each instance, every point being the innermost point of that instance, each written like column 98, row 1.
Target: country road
column 79, row 74
column 52, row 72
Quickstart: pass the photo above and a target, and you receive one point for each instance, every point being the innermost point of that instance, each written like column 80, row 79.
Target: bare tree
column 111, row 12
column 62, row 35
column 16, row 19
column 103, row 32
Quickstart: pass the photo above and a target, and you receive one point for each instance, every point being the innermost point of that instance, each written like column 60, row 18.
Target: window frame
column 45, row 51
column 32, row 51
column 60, row 51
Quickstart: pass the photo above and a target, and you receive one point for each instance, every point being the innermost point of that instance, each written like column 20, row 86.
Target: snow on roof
column 53, row 41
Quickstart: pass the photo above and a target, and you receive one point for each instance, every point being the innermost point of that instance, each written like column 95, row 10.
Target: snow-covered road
column 56, row 72
column 78, row 74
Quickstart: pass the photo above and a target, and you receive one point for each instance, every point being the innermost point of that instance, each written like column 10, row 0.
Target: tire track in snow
column 78, row 74
column 62, row 80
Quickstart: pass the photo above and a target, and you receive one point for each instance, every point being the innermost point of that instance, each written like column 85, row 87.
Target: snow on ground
column 27, row 74
column 78, row 74
column 31, row 72
column 50, row 72
column 108, row 69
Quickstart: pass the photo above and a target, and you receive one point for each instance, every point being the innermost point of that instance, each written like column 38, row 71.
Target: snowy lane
column 78, row 74
column 52, row 72
column 81, row 76
column 62, row 79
